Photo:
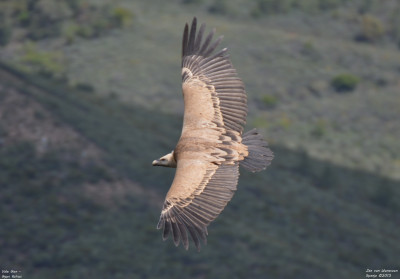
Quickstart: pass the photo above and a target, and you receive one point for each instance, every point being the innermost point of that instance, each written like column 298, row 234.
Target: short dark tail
column 260, row 156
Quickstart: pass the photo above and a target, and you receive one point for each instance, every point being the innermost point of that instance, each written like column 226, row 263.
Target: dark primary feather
column 199, row 37
column 192, row 36
column 185, row 39
column 208, row 41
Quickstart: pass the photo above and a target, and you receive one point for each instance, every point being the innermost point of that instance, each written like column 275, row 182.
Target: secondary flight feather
column 212, row 144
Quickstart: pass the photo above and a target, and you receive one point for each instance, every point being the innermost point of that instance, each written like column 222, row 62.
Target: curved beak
column 155, row 163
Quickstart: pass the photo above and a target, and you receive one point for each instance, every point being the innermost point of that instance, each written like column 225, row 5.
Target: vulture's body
column 211, row 147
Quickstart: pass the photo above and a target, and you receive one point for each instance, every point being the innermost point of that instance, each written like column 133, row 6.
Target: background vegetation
column 89, row 96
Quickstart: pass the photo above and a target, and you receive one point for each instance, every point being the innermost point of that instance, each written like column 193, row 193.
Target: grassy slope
column 303, row 218
column 292, row 57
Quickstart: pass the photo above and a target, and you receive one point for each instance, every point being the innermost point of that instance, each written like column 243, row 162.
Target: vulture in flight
column 212, row 145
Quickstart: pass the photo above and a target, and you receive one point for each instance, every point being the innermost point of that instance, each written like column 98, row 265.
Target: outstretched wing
column 201, row 191
column 208, row 152
column 212, row 90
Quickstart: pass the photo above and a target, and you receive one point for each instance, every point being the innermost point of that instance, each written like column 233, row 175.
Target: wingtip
column 198, row 247
column 159, row 226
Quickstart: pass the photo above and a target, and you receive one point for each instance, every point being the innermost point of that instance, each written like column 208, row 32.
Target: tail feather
column 260, row 156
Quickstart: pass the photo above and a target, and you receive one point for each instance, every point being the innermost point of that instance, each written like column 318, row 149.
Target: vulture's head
column 166, row 161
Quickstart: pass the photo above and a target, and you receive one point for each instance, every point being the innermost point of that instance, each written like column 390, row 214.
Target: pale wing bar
column 193, row 215
column 217, row 72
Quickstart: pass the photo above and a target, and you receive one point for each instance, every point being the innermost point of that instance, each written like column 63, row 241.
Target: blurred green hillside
column 90, row 95
column 289, row 51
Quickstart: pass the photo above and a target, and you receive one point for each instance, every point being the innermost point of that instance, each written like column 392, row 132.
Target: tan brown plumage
column 211, row 145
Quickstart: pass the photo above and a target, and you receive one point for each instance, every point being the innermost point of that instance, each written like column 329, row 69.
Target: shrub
column 319, row 129
column 269, row 100
column 345, row 82
column 70, row 31
column 76, row 6
column 81, row 86
column 24, row 18
column 85, row 31
column 329, row 4
column 219, row 7
column 122, row 17
column 372, row 29
column 284, row 122
column 308, row 49
column 267, row 7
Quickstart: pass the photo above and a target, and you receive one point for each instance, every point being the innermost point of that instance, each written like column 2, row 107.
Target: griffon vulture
column 211, row 146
